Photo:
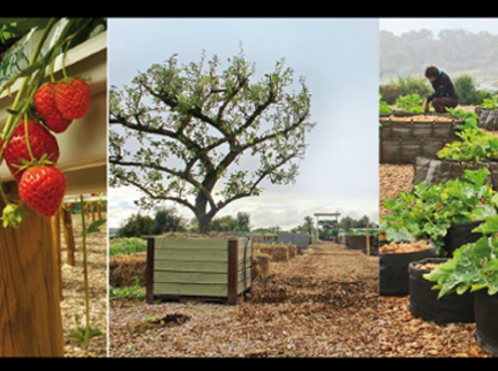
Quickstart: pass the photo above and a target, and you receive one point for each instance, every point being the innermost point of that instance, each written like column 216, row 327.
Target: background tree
column 306, row 227
column 137, row 225
column 468, row 94
column 347, row 223
column 166, row 220
column 179, row 133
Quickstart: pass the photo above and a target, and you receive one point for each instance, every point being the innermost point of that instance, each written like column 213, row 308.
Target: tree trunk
column 30, row 313
column 204, row 224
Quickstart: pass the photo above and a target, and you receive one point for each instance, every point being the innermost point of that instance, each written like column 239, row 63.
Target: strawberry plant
column 84, row 334
column 40, row 109
column 473, row 266
column 429, row 211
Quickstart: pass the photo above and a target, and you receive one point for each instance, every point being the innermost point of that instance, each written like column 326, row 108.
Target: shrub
column 465, row 87
column 127, row 246
column 405, row 86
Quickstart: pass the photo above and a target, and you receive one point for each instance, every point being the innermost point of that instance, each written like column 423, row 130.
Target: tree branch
column 181, row 174
column 164, row 198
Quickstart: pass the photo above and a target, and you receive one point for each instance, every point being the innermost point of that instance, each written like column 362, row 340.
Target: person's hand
column 425, row 105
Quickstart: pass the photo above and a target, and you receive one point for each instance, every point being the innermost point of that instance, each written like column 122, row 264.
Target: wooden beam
column 56, row 236
column 67, row 227
column 232, row 272
column 150, row 270
column 92, row 208
column 30, row 312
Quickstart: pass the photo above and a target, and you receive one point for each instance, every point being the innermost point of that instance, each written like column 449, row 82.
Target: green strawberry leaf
column 94, row 227
column 12, row 216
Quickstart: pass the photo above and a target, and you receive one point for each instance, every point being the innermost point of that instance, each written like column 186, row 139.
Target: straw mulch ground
column 322, row 303
column 73, row 303
column 127, row 270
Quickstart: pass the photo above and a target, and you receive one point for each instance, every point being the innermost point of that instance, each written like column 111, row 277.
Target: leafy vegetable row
column 430, row 210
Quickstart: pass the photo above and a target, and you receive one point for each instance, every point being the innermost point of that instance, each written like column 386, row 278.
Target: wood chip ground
column 73, row 303
column 402, row 335
column 320, row 304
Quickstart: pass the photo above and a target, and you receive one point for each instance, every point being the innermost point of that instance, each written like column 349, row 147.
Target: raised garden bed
column 424, row 301
column 488, row 119
column 394, row 260
column 207, row 269
column 435, row 171
column 402, row 141
column 359, row 242
column 486, row 309
column 460, row 234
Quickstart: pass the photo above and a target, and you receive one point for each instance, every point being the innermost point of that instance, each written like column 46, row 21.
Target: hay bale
column 124, row 270
column 292, row 251
column 260, row 265
column 278, row 253
column 258, row 239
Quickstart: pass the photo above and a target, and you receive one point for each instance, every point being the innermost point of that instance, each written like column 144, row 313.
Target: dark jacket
column 443, row 87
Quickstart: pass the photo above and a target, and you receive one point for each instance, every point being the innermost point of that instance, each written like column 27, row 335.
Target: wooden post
column 30, row 312
column 56, row 235
column 232, row 272
column 67, row 227
column 150, row 270
column 368, row 238
column 92, row 208
column 99, row 210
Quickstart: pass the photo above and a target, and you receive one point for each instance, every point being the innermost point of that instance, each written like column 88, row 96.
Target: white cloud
column 275, row 207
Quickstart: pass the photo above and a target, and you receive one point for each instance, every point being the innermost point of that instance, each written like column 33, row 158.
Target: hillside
column 458, row 52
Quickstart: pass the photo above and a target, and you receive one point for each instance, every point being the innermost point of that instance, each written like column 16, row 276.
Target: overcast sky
column 474, row 25
column 339, row 60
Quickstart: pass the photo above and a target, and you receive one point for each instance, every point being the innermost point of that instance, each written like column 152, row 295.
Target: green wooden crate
column 207, row 268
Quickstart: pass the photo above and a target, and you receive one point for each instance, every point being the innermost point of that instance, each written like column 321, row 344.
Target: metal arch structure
column 319, row 215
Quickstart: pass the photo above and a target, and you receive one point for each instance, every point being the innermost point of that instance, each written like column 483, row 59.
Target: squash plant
column 475, row 145
column 430, row 210
column 489, row 103
column 410, row 103
column 383, row 106
column 473, row 266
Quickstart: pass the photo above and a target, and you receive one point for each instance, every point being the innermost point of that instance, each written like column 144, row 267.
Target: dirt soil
column 319, row 304
column 421, row 117
column 73, row 303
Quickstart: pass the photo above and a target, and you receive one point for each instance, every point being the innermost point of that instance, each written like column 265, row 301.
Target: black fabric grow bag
column 488, row 119
column 406, row 150
column 393, row 271
column 359, row 242
column 436, row 171
column 424, row 302
column 459, row 235
column 486, row 311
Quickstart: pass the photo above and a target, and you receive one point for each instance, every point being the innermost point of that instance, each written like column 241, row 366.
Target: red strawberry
column 73, row 98
column 45, row 105
column 43, row 189
column 41, row 142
